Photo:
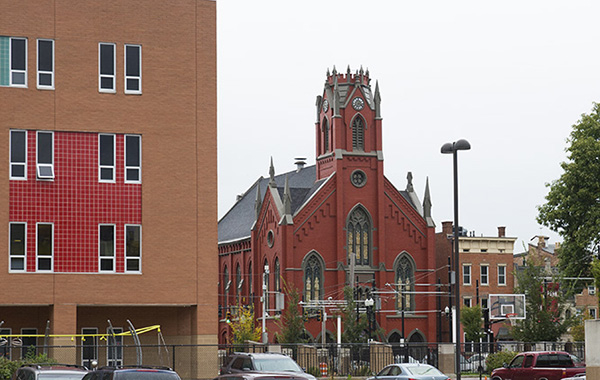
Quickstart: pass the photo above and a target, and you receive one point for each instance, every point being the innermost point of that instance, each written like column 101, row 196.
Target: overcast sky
column 511, row 77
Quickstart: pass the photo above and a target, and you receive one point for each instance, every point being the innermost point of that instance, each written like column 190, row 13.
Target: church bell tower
column 348, row 121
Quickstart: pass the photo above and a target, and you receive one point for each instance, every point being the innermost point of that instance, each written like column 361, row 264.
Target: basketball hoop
column 512, row 317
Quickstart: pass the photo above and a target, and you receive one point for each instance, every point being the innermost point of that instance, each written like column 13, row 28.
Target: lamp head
column 461, row 144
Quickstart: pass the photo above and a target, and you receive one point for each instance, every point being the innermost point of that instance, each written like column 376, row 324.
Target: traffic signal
column 305, row 315
column 320, row 315
column 228, row 316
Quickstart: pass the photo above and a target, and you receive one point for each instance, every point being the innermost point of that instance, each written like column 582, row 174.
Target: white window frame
column 114, row 159
column 591, row 290
column 502, row 275
column 13, row 71
column 133, row 77
column 11, row 256
column 23, row 164
column 51, row 73
column 90, row 331
column 468, row 301
column 487, row 274
column 114, row 75
column 111, row 258
column 466, row 275
column 138, row 258
column 25, row 348
column 118, row 361
column 37, row 256
column 139, row 167
column 39, row 166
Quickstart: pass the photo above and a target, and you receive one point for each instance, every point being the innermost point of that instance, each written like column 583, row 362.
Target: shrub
column 497, row 359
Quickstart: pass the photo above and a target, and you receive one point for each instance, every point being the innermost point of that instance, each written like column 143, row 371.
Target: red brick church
column 316, row 225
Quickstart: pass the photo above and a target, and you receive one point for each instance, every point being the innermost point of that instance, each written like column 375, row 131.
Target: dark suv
column 241, row 362
column 50, row 372
column 132, row 373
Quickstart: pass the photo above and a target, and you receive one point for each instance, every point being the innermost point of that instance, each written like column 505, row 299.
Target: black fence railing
column 204, row 361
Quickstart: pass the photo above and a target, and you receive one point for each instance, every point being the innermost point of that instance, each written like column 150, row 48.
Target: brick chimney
column 501, row 231
column 447, row 228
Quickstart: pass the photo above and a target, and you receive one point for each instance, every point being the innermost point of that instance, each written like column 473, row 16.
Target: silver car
column 405, row 371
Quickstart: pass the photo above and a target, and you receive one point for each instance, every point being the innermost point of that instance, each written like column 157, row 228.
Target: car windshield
column 142, row 374
column 276, row 364
column 424, row 370
column 62, row 375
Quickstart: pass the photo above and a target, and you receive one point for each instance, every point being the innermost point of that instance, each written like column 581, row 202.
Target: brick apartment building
column 486, row 267
column 108, row 112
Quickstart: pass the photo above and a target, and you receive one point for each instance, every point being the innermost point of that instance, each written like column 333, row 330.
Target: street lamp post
column 453, row 148
column 265, row 337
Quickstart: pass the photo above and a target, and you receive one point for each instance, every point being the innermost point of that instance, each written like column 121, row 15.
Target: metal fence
column 204, row 361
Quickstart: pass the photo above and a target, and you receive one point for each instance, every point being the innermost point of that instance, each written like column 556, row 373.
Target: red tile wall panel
column 75, row 202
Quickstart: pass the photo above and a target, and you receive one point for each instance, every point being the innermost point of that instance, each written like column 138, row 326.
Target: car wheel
column 496, row 378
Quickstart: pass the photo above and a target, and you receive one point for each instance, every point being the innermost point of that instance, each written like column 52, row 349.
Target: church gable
column 322, row 205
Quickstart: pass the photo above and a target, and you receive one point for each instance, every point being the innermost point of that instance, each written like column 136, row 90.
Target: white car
column 578, row 377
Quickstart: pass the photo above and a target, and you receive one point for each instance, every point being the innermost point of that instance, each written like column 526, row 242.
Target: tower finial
column 427, row 205
column 328, row 74
column 272, row 174
column 334, row 71
column 377, row 99
column 409, row 185
column 348, row 74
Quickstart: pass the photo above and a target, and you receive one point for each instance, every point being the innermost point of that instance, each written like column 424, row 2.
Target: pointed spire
column 328, row 74
column 427, row 200
column 334, row 71
column 427, row 205
column 272, row 174
column 367, row 72
column 287, row 197
column 361, row 74
column 348, row 74
column 409, row 184
column 377, row 99
column 258, row 201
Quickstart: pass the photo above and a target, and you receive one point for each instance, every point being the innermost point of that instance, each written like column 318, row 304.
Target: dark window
column 44, row 247
column 18, row 154
column 5, row 347
column 107, row 158
column 18, row 61
column 46, row 63
column 564, row 361
column 17, row 246
column 133, row 69
column 45, row 155
column 89, row 351
column 133, row 251
column 528, row 361
column 107, row 248
column 133, row 158
column 107, row 67
column 325, row 135
column 517, row 362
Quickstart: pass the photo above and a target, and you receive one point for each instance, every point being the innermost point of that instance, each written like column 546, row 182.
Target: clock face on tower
column 325, row 105
column 358, row 104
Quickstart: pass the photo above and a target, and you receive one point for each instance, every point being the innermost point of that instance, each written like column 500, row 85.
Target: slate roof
column 237, row 223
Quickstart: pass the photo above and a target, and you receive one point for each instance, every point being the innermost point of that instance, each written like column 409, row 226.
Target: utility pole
column 265, row 337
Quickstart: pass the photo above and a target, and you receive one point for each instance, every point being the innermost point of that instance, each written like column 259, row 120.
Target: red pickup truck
column 540, row 365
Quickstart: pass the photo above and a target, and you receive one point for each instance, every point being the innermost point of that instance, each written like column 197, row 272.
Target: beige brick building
column 108, row 112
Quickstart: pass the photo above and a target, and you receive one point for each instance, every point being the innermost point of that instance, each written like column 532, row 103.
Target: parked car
column 241, row 362
column 132, row 373
column 549, row 365
column 50, row 372
column 406, row 371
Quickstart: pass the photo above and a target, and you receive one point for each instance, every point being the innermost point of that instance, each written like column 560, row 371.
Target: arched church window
column 359, row 235
column 277, row 276
column 405, row 282
column 313, row 279
column 358, row 133
column 325, row 135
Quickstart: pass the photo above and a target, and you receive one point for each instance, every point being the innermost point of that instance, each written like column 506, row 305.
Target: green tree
column 472, row 321
column 572, row 208
column 291, row 323
column 244, row 327
column 354, row 327
column 544, row 306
